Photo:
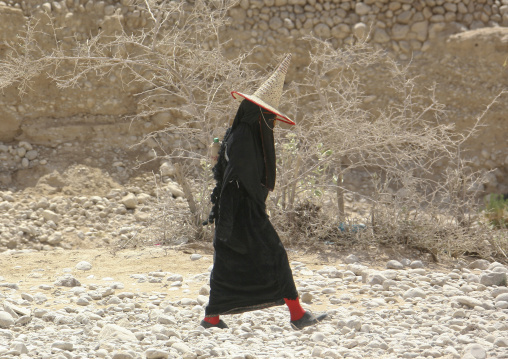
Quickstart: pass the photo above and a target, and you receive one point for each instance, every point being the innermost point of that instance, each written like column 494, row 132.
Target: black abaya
column 251, row 269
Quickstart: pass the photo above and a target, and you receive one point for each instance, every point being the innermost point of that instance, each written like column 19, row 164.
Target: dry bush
column 178, row 64
column 398, row 143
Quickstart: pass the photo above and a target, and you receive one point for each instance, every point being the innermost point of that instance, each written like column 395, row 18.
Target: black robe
column 251, row 269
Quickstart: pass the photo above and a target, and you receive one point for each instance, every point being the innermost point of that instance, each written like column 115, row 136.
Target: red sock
column 212, row 320
column 295, row 309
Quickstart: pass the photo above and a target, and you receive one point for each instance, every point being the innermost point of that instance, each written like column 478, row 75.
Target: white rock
column 479, row 264
column 63, row 345
column 188, row 301
column 472, row 278
column 175, row 190
column 167, row 169
column 317, row 352
column 381, row 36
column 84, row 266
column 82, row 301
column 238, row 14
column 143, row 198
column 501, row 305
column 360, row 30
column 26, row 145
column 20, row 152
column 306, row 297
column 362, row 9
column 55, row 238
column 181, row 347
column 451, row 351
column 322, row 30
column 389, row 283
column 67, row 281
column 121, row 355
column 9, row 285
column 195, row 256
column 175, row 278
column 340, row 31
column 153, row 353
column 393, row 264
column 357, row 269
column 390, row 274
column 493, row 278
column 500, row 269
column 469, row 301
column 130, row 201
column 202, row 299
column 115, row 332
column 6, row 320
column 204, row 290
column 375, row 278
column 415, row 293
column 275, row 23
column 109, row 10
column 354, row 323
column 31, row 155
column 166, row 319
column 317, row 337
column 416, row 264
column 19, row 348
column 16, row 310
column 307, row 272
column 474, row 351
column 501, row 342
column 502, row 297
column 123, row 295
column 40, row 298
column 494, row 265
column 350, row 259
column 28, row 297
column 50, row 216
column 399, row 31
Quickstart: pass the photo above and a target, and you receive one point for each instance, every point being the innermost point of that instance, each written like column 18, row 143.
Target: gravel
column 388, row 313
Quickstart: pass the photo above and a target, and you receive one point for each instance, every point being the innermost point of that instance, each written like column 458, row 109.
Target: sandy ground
column 32, row 270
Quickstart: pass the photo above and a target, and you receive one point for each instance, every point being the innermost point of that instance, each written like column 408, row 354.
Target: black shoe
column 220, row 324
column 307, row 320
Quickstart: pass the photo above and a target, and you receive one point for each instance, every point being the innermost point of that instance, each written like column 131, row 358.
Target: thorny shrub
column 423, row 193
column 179, row 64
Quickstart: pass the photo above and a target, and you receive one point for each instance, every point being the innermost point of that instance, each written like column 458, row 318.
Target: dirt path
column 37, row 271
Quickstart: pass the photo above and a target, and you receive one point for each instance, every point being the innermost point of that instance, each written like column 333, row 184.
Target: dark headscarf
column 251, row 150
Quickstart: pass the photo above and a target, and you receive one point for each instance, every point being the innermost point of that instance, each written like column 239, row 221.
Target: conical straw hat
column 270, row 92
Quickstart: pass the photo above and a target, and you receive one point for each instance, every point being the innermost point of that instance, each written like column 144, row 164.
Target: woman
column 251, row 269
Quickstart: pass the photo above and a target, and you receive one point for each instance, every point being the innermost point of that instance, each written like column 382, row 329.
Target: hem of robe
column 248, row 308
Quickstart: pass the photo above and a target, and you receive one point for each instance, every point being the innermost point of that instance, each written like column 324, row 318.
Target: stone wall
column 404, row 26
column 460, row 44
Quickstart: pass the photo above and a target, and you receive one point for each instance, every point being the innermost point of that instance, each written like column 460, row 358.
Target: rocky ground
column 71, row 198
column 148, row 303
column 69, row 290
column 83, row 207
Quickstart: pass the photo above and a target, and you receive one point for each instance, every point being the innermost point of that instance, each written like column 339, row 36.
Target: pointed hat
column 270, row 92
